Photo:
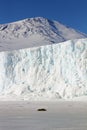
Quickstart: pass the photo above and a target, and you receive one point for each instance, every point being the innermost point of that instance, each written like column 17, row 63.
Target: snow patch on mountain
column 57, row 71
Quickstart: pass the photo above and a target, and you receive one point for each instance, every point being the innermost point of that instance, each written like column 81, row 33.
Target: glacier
column 56, row 71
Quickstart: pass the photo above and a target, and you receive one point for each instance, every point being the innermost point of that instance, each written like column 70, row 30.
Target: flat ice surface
column 59, row 116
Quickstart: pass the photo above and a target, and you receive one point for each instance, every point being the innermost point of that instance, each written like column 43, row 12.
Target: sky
column 72, row 13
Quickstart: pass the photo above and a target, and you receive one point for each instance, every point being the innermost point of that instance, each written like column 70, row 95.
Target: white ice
column 50, row 72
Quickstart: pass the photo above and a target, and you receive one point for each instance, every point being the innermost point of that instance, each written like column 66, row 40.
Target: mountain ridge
column 50, row 31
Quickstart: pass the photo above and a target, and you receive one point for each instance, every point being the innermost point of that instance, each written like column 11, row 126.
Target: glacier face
column 46, row 72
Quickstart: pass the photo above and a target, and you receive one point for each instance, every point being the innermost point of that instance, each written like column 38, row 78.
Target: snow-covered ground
column 50, row 72
column 59, row 116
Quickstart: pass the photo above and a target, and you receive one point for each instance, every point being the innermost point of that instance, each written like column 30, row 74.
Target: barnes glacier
column 56, row 71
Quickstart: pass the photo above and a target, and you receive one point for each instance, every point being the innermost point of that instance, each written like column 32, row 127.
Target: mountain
column 33, row 32
column 50, row 72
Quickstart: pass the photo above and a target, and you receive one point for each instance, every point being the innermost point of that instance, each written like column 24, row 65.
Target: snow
column 50, row 72
column 59, row 116
column 33, row 32
column 37, row 65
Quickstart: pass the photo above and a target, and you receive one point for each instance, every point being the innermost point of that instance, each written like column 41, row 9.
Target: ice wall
column 46, row 72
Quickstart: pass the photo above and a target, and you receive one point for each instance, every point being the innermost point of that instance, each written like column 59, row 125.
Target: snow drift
column 57, row 71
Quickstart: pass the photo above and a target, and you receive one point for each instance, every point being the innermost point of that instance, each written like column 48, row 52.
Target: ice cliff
column 57, row 71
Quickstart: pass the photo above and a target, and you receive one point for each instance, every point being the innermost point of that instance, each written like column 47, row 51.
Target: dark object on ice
column 41, row 109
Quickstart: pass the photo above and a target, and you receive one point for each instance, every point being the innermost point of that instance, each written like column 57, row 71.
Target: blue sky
column 69, row 12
